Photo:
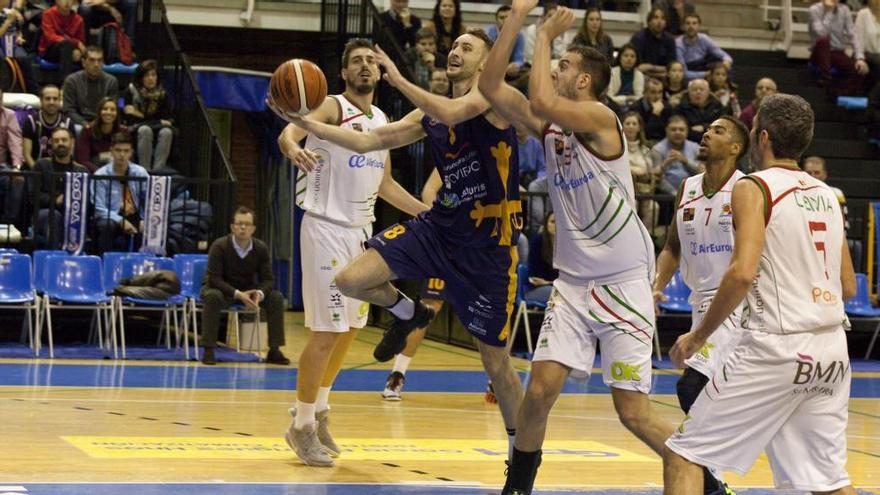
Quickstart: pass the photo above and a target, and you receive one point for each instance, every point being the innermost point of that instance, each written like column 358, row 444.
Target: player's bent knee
column 347, row 282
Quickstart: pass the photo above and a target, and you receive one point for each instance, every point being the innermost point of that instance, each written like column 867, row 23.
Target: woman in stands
column 148, row 116
column 93, row 145
column 627, row 84
column 446, row 22
column 541, row 271
column 591, row 34
column 676, row 86
column 643, row 174
column 723, row 88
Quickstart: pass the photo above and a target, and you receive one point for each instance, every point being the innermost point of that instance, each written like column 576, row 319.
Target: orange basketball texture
column 298, row 86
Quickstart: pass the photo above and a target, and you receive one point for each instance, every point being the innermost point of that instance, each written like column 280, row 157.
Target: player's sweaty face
column 362, row 71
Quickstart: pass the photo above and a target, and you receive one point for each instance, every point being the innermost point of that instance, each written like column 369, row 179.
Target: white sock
column 322, row 404
column 511, row 437
column 305, row 414
column 401, row 363
column 404, row 308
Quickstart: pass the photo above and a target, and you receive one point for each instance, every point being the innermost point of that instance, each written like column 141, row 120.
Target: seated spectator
column 517, row 56
column 531, row 158
column 51, row 194
column 95, row 140
column 763, row 88
column 12, row 42
column 653, row 110
column 831, row 29
column 63, row 39
column 867, row 29
column 11, row 186
column 446, row 23
column 676, row 12
column 591, row 34
column 240, row 270
column 656, row 47
column 96, row 13
column 675, row 156
column 541, row 271
column 402, row 24
column 422, row 58
column 439, row 84
column 37, row 129
column 148, row 116
column 700, row 108
column 724, row 89
column 815, row 166
column 697, row 51
column 676, row 86
column 119, row 203
column 83, row 89
column 641, row 165
column 627, row 84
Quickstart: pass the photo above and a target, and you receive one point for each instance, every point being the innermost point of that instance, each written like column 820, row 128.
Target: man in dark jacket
column 700, row 108
column 240, row 270
column 51, row 195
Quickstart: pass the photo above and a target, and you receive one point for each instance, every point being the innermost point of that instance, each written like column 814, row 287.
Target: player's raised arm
column 392, row 192
column 581, row 116
column 292, row 134
column 401, row 133
column 506, row 100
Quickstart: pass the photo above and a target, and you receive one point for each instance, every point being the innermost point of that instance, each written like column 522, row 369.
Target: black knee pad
column 689, row 387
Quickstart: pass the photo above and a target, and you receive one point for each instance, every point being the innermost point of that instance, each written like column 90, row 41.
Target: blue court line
column 306, row 489
column 235, row 378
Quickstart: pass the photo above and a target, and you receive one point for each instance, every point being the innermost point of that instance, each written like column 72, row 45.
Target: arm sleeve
column 816, row 24
column 849, row 32
column 103, row 202
column 15, row 147
column 79, row 33
column 70, row 105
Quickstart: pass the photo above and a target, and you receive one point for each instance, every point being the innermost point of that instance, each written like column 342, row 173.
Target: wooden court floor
column 157, row 427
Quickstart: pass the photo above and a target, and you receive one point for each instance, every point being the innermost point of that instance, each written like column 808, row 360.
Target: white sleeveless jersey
column 599, row 236
column 705, row 231
column 344, row 186
column 798, row 284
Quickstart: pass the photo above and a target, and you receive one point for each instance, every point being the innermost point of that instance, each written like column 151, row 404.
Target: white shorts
column 620, row 316
column 325, row 248
column 787, row 394
column 712, row 356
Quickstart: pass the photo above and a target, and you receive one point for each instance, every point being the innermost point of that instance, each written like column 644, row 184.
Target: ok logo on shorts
column 622, row 371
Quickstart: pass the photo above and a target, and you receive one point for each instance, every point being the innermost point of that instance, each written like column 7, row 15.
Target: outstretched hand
column 392, row 74
column 558, row 23
column 524, row 6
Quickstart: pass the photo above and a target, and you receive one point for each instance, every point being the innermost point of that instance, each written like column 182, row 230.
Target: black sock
column 523, row 470
column 710, row 483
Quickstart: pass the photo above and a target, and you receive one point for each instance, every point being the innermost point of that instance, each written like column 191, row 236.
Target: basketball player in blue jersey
column 468, row 237
column 603, row 252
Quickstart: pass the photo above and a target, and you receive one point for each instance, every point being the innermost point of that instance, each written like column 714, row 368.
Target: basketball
column 297, row 87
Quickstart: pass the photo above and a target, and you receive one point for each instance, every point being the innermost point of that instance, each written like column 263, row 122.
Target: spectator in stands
column 63, row 39
column 423, row 57
column 641, row 165
column 11, row 160
column 119, row 201
column 700, row 108
column 831, row 29
column 676, row 11
column 402, row 24
column 148, row 116
column 37, row 129
column 815, row 166
column 591, row 34
column 656, row 47
column 763, row 88
column 530, row 34
column 654, row 110
column 446, row 23
column 12, row 42
column 240, row 270
column 517, row 57
column 676, row 86
column 724, row 89
column 96, row 13
column 697, row 51
column 539, row 204
column 83, row 89
column 439, row 84
column 51, row 194
column 95, row 140
column 531, row 158
column 627, row 84
column 541, row 271
column 867, row 29
column 675, row 156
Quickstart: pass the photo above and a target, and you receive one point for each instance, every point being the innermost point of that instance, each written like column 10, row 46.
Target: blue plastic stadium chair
column 8, row 251
column 39, row 274
column 860, row 306
column 677, row 292
column 17, row 290
column 191, row 270
column 138, row 264
column 120, row 68
column 76, row 282
column 113, row 267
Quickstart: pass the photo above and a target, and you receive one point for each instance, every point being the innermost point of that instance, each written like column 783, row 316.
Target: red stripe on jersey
column 796, row 188
column 350, row 118
column 612, row 313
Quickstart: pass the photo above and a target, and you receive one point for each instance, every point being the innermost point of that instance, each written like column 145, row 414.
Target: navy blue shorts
column 434, row 288
column 480, row 282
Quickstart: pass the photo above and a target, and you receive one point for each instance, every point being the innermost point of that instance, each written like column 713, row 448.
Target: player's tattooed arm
column 392, row 192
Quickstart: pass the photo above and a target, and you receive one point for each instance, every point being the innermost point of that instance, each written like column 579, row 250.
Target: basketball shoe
column 393, row 386
column 394, row 340
column 307, row 446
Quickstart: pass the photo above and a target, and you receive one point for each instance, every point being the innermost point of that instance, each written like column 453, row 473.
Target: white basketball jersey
column 705, row 231
column 344, row 186
column 599, row 236
column 798, row 284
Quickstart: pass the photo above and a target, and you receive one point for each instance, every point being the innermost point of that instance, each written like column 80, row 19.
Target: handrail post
column 786, row 25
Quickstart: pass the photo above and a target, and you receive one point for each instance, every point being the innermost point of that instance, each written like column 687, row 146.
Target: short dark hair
column 483, row 36
column 594, row 63
column 677, row 116
column 62, row 128
column 503, row 8
column 740, row 134
column 142, row 70
column 424, row 33
column 48, row 86
column 121, row 137
column 628, row 46
column 654, row 80
column 351, row 45
column 244, row 210
column 694, row 15
column 788, row 120
column 94, row 49
column 651, row 13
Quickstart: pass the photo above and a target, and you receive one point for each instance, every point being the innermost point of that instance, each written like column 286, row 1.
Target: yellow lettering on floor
column 354, row 449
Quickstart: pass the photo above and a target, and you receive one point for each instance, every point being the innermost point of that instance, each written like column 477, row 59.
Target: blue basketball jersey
column 479, row 202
